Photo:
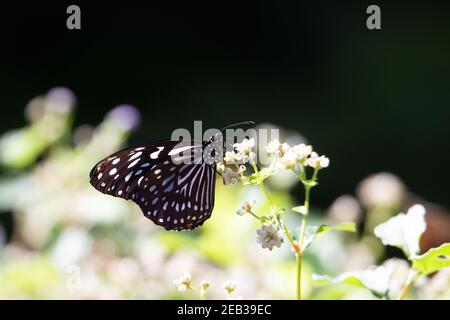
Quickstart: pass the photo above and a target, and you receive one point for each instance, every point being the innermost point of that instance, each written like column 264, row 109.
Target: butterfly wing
column 177, row 196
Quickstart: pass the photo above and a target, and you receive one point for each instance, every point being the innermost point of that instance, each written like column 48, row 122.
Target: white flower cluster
column 276, row 148
column 242, row 153
column 289, row 157
column 184, row 282
column 269, row 237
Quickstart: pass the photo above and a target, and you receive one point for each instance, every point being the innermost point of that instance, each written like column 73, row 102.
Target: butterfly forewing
column 174, row 194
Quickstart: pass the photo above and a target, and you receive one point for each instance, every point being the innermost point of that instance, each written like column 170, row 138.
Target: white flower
column 317, row 162
column 246, row 207
column 204, row 285
column 302, row 151
column 375, row 278
column 244, row 150
column 404, row 230
column 294, row 155
column 276, row 148
column 245, row 146
column 269, row 237
column 399, row 270
column 183, row 282
column 273, row 147
column 231, row 157
column 288, row 160
column 230, row 177
column 242, row 169
column 229, row 286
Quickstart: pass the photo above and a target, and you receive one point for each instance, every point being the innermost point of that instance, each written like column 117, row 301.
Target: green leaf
column 344, row 226
column 251, row 179
column 257, row 178
column 313, row 231
column 432, row 260
column 404, row 230
column 375, row 278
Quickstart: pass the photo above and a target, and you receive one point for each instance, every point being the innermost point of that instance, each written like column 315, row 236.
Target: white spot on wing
column 133, row 163
column 178, row 150
column 136, row 155
column 155, row 154
column 128, row 176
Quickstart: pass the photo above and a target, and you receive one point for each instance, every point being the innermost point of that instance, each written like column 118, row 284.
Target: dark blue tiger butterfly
column 173, row 193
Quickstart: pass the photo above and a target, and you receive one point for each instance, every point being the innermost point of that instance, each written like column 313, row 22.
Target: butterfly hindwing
column 182, row 200
column 177, row 196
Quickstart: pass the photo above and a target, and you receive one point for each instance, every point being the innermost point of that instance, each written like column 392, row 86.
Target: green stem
column 263, row 188
column 298, row 259
column 289, row 236
column 297, row 247
column 314, row 176
column 299, row 256
column 256, row 216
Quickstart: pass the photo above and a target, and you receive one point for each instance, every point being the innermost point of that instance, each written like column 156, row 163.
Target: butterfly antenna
column 243, row 123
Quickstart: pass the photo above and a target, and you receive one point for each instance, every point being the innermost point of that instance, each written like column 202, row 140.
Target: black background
column 370, row 100
column 169, row 308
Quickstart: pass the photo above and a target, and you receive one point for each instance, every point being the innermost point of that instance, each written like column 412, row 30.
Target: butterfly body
column 169, row 180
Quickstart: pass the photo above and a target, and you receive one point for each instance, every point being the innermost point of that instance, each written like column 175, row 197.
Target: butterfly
column 173, row 182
